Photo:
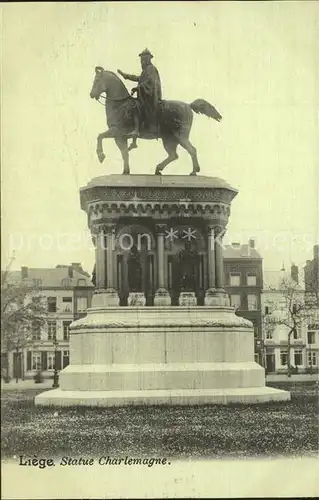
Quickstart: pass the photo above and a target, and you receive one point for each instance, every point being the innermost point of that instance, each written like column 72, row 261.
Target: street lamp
column 56, row 374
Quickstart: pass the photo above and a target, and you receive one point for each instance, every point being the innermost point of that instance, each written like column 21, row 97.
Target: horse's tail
column 204, row 108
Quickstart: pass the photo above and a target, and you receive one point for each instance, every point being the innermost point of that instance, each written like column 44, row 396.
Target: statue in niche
column 188, row 269
column 134, row 270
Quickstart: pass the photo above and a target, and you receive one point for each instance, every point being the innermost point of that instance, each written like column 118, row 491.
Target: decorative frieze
column 158, row 194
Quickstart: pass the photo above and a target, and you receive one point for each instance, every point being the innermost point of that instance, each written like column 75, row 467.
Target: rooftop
column 237, row 251
column 57, row 277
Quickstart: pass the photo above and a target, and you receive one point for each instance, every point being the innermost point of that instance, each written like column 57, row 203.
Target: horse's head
column 98, row 84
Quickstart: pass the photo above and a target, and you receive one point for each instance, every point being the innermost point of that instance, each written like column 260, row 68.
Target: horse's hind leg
column 121, row 143
column 186, row 144
column 170, row 144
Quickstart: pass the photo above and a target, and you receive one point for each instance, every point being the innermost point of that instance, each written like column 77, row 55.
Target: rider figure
column 149, row 95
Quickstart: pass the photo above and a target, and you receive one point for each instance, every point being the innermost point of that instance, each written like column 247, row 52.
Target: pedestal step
column 251, row 395
column 165, row 376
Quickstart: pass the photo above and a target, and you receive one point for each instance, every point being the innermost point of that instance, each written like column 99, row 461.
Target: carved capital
column 105, row 228
column 109, row 228
column 219, row 231
column 160, row 229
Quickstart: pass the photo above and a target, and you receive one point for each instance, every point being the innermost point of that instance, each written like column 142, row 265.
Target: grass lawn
column 235, row 431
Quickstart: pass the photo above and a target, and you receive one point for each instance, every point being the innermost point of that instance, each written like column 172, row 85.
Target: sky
column 256, row 62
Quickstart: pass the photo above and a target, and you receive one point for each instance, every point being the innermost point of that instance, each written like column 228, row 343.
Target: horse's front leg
column 99, row 147
column 121, row 143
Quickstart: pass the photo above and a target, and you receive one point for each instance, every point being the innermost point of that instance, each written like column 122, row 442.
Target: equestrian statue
column 147, row 116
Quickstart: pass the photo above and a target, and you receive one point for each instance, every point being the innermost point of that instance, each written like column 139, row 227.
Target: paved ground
column 294, row 378
column 284, row 429
column 25, row 384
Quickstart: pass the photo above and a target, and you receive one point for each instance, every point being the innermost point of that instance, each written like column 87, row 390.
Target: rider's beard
column 144, row 64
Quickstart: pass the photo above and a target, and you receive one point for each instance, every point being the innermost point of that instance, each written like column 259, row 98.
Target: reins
column 106, row 98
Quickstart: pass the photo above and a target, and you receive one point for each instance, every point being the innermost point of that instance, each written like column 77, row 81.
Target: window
column 66, row 359
column 66, row 333
column 267, row 311
column 234, row 279
column 81, row 282
column 36, row 330
column 298, row 357
column 311, row 337
column 252, row 302
column 67, row 304
column 82, row 304
column 52, row 304
column 283, row 357
column 312, row 358
column 235, row 300
column 51, row 330
column 269, row 332
column 66, row 282
column 37, row 282
column 51, row 359
column 36, row 361
column 251, row 280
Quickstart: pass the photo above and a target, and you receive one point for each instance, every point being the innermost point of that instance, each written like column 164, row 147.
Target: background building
column 243, row 272
column 311, row 271
column 67, row 292
column 284, row 298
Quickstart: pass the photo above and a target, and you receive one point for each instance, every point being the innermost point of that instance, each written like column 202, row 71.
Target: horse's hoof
column 101, row 157
column 126, row 172
column 132, row 146
column 193, row 173
column 158, row 171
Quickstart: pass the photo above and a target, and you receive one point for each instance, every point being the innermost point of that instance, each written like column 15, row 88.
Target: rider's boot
column 135, row 133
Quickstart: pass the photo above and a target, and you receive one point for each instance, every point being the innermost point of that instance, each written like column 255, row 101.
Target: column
column 216, row 295
column 110, row 261
column 99, row 257
column 211, row 256
column 162, row 297
column 105, row 294
column 219, row 264
column 160, row 229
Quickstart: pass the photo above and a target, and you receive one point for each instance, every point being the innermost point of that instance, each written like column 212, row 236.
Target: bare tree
column 22, row 312
column 297, row 312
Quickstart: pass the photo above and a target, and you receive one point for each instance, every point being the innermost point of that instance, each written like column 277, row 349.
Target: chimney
column 251, row 243
column 294, row 273
column 24, row 272
column 70, row 272
column 76, row 266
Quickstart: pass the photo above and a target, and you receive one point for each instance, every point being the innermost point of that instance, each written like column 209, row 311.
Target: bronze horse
column 175, row 120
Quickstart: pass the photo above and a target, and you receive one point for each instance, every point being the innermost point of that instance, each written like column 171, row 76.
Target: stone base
column 187, row 299
column 162, row 297
column 105, row 298
column 136, row 299
column 216, row 297
column 251, row 395
column 161, row 355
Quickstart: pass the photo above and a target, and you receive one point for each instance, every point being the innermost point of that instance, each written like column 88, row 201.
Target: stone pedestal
column 162, row 297
column 187, row 299
column 136, row 299
column 216, row 297
column 144, row 354
column 161, row 355
column 105, row 298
